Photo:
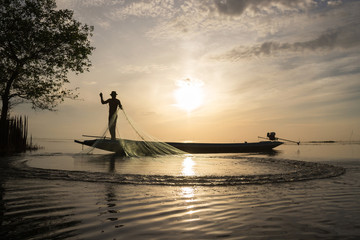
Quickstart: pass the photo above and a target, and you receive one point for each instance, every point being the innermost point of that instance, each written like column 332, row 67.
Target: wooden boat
column 189, row 147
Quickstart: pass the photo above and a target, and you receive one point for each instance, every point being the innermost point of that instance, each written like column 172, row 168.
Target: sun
column 189, row 95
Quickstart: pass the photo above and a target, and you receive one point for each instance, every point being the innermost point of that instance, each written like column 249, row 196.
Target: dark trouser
column 112, row 126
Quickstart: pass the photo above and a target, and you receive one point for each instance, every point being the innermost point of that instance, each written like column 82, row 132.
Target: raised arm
column 102, row 100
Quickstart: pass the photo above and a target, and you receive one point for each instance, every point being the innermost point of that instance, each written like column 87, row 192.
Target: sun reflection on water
column 188, row 195
column 187, row 192
column 188, row 165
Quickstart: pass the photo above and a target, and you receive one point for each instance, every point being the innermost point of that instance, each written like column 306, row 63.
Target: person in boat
column 114, row 103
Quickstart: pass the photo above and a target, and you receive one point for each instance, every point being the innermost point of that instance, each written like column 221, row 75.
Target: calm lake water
column 310, row 191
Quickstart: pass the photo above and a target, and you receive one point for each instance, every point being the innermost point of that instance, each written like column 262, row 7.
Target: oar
column 298, row 143
column 95, row 136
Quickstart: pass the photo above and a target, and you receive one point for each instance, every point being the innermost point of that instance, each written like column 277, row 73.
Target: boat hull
column 116, row 146
column 226, row 147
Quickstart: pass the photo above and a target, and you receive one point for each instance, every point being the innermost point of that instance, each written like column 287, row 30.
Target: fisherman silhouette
column 114, row 103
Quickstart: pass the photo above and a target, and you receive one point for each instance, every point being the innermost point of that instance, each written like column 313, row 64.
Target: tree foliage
column 39, row 45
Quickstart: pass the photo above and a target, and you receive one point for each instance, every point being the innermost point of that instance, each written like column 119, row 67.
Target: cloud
column 113, row 11
column 143, row 9
column 89, row 82
column 130, row 69
column 237, row 7
column 343, row 38
column 187, row 19
column 334, row 2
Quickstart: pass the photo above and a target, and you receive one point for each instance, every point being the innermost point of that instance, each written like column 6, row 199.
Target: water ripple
column 297, row 171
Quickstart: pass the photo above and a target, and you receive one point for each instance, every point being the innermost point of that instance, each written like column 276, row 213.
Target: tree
column 39, row 45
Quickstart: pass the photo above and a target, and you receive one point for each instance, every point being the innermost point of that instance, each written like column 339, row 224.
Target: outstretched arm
column 120, row 106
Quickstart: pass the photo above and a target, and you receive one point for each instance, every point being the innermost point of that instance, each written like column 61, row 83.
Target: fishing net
column 130, row 140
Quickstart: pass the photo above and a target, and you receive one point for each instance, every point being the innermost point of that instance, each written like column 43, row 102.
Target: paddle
column 271, row 136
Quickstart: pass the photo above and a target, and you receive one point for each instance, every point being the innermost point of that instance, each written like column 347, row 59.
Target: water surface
column 57, row 193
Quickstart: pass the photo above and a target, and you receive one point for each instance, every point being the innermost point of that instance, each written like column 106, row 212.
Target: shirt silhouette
column 114, row 103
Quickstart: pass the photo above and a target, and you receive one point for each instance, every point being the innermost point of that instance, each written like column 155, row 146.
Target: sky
column 216, row 70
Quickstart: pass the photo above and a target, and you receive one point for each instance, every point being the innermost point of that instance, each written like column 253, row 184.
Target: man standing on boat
column 114, row 103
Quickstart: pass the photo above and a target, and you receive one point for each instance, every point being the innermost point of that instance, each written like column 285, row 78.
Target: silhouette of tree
column 39, row 45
